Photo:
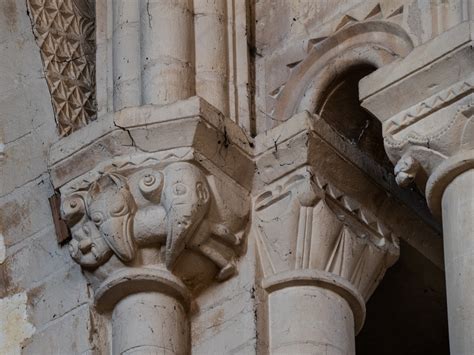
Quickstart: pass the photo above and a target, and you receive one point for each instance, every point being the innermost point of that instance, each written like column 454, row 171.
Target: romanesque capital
column 428, row 132
column 160, row 214
column 313, row 229
column 151, row 211
column 310, row 233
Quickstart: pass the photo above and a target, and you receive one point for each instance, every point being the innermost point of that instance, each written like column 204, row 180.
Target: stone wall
column 44, row 297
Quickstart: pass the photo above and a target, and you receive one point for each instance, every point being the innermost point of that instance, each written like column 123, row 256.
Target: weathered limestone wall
column 43, row 296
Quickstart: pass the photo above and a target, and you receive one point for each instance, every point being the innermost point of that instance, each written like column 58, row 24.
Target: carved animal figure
column 87, row 247
column 185, row 198
column 101, row 220
column 106, row 218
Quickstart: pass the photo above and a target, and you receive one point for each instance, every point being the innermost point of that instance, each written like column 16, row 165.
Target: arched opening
column 340, row 107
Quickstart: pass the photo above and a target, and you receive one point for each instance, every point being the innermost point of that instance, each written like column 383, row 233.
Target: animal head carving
column 186, row 199
column 101, row 221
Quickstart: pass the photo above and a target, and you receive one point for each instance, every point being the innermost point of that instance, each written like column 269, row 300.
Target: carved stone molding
column 65, row 33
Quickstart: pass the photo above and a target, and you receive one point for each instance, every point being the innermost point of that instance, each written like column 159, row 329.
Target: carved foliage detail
column 163, row 208
column 65, row 33
column 305, row 223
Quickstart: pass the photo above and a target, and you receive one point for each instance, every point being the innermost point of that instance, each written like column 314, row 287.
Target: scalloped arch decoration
column 376, row 43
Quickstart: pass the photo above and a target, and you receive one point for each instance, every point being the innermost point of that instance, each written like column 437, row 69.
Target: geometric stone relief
column 152, row 210
column 65, row 32
column 303, row 223
column 422, row 109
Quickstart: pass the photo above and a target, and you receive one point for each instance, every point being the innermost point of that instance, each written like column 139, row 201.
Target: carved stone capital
column 163, row 213
column 310, row 233
column 428, row 124
column 314, row 219
column 151, row 209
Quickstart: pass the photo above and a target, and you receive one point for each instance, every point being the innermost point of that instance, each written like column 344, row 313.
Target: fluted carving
column 304, row 223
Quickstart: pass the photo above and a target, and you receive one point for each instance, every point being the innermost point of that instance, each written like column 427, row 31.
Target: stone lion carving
column 167, row 207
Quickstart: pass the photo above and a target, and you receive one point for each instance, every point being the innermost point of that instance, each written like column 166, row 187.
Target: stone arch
column 372, row 43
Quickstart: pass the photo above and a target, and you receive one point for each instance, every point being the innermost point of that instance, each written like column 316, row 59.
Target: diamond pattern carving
column 65, row 33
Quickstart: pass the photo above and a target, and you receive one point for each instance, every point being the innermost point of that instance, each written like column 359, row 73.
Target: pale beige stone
column 14, row 325
column 211, row 208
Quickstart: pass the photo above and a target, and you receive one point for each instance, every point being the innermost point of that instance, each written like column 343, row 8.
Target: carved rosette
column 309, row 233
column 154, row 219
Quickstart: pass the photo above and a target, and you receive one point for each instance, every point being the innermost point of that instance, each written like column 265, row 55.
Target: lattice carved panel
column 65, row 33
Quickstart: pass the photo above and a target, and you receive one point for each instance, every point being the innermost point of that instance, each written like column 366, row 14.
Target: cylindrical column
column 126, row 54
column 310, row 320
column 458, row 228
column 150, row 323
column 167, row 56
column 211, row 52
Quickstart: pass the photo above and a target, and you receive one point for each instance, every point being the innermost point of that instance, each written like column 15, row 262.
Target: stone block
column 36, row 258
column 69, row 334
column 25, row 211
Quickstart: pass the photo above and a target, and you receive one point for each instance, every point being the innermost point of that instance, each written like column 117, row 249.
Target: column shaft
column 167, row 51
column 211, row 52
column 150, row 323
column 310, row 320
column 458, row 226
column 126, row 54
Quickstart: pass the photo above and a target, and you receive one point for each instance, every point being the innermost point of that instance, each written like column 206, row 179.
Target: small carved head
column 111, row 208
column 405, row 170
column 87, row 246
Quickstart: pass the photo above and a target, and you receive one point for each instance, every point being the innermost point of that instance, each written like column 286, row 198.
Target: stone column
column 458, row 228
column 311, row 313
column 211, row 52
column 429, row 136
column 150, row 323
column 126, row 54
column 322, row 252
column 167, row 51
